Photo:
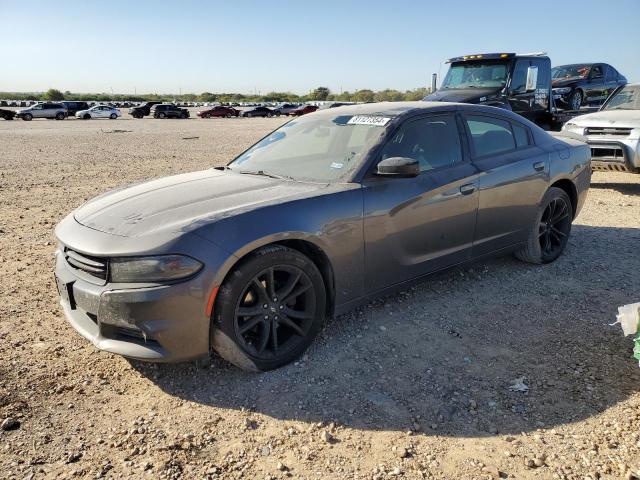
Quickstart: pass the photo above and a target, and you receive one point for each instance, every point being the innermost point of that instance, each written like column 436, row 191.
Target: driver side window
column 596, row 72
column 433, row 141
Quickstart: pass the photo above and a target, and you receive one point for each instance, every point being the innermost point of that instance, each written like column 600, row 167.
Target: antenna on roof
column 532, row 54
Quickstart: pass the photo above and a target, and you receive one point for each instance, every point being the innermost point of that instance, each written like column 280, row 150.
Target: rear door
column 414, row 226
column 513, row 177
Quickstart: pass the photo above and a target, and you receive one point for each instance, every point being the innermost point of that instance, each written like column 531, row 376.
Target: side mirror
column 532, row 78
column 400, row 167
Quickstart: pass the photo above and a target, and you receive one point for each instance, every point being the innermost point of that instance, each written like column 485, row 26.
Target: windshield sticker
column 337, row 165
column 368, row 120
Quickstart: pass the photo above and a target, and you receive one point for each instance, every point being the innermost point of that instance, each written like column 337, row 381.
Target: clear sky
column 293, row 45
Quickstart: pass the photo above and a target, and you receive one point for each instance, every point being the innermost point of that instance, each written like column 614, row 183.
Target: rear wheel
column 269, row 309
column 228, row 115
column 113, row 116
column 550, row 231
column 183, row 115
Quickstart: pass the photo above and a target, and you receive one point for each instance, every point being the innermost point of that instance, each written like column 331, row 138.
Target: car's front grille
column 615, row 131
column 93, row 266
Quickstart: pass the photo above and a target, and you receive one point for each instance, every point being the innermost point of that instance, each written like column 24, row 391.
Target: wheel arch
column 305, row 246
column 570, row 189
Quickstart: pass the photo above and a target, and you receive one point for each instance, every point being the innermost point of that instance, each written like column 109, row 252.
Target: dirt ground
column 416, row 385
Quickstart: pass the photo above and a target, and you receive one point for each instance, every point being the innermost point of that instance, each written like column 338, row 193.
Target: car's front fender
column 331, row 222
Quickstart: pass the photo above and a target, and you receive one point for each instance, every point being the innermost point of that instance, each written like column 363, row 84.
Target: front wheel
column 269, row 309
column 113, row 116
column 161, row 115
column 87, row 116
column 27, row 117
column 575, row 100
column 183, row 115
column 550, row 231
column 59, row 116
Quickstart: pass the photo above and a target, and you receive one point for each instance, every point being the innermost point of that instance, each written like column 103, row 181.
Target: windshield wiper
column 265, row 174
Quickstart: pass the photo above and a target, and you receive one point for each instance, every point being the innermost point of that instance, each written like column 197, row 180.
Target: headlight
column 573, row 128
column 562, row 90
column 153, row 269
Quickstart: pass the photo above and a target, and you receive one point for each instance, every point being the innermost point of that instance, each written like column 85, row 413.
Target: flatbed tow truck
column 518, row 82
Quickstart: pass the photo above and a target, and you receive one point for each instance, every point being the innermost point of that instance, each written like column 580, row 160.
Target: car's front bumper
column 165, row 323
column 618, row 154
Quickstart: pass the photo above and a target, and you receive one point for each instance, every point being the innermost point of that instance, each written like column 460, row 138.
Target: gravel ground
column 416, row 385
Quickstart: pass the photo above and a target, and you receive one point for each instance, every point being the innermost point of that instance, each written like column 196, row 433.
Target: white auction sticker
column 368, row 120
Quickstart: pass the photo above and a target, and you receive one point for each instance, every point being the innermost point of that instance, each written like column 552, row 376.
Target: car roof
column 585, row 64
column 392, row 109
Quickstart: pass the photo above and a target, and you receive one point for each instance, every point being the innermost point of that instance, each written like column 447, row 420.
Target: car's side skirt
column 398, row 287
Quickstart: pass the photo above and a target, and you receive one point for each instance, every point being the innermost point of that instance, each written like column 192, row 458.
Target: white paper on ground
column 629, row 318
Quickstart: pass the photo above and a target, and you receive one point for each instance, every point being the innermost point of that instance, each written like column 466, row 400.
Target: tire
column 183, row 115
column 269, row 115
column 113, row 116
column 248, row 340
column 575, row 100
column 27, row 117
column 86, row 116
column 161, row 115
column 228, row 115
column 206, row 115
column 137, row 116
column 550, row 231
column 59, row 116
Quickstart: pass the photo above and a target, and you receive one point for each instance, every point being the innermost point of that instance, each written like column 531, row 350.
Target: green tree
column 388, row 95
column 53, row 95
column 417, row 94
column 320, row 93
column 365, row 96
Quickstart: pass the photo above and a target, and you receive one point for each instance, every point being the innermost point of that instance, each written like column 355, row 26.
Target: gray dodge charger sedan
column 328, row 211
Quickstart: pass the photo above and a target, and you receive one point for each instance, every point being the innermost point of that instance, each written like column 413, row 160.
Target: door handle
column 538, row 166
column 467, row 189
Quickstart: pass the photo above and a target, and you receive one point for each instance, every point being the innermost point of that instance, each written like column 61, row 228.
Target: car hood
column 606, row 118
column 173, row 204
column 462, row 95
column 568, row 82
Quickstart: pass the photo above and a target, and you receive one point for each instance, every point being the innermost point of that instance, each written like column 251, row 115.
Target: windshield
column 570, row 71
column 476, row 75
column 628, row 98
column 313, row 148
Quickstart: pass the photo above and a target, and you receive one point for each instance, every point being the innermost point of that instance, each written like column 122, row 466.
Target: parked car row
column 82, row 110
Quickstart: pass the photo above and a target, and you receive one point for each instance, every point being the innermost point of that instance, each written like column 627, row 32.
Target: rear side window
column 521, row 135
column 433, row 141
column 490, row 136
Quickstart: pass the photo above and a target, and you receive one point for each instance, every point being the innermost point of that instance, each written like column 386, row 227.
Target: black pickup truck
column 521, row 83
column 142, row 110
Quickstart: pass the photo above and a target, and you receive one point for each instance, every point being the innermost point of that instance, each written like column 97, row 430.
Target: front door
column 414, row 226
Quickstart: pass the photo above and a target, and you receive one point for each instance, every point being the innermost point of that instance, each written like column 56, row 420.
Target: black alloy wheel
column 549, row 234
column 275, row 311
column 554, row 228
column 269, row 310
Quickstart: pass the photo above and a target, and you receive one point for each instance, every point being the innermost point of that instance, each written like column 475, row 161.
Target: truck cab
column 521, row 83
